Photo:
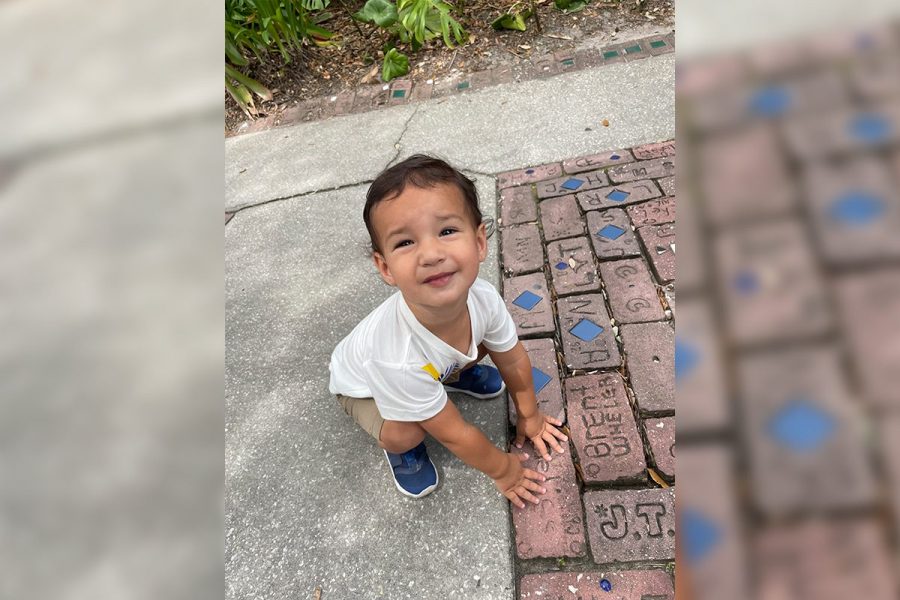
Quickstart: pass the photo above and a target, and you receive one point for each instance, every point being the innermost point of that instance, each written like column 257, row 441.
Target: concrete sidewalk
column 309, row 501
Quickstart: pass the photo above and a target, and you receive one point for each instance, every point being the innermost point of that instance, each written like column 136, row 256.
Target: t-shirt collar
column 434, row 340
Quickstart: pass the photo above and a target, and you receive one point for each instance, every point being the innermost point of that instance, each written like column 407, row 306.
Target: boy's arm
column 472, row 447
column 515, row 368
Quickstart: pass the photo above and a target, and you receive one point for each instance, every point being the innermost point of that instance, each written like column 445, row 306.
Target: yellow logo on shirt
column 429, row 368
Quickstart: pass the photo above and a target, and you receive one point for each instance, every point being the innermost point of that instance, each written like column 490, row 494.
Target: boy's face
column 430, row 249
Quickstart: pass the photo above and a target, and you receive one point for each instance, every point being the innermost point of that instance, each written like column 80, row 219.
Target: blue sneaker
column 414, row 473
column 481, row 381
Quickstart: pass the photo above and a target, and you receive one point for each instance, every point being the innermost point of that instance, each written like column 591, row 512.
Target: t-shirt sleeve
column 404, row 393
column 500, row 330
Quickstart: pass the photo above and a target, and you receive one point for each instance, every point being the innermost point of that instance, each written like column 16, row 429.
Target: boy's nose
column 430, row 252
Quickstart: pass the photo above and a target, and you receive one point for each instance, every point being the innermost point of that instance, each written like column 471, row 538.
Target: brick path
column 789, row 460
column 588, row 256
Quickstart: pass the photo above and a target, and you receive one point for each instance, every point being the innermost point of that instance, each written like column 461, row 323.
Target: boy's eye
column 403, row 243
column 448, row 230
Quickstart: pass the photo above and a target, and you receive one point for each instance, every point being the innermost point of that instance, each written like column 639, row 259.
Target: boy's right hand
column 517, row 483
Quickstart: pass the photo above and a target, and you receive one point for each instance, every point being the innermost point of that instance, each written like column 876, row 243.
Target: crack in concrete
column 397, row 144
column 293, row 196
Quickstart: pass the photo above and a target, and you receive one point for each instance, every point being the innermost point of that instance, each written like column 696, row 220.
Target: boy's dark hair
column 423, row 172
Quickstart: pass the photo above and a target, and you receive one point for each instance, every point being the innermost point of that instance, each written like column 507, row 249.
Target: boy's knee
column 398, row 436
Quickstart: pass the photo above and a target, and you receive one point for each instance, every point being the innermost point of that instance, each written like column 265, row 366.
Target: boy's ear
column 481, row 240
column 383, row 269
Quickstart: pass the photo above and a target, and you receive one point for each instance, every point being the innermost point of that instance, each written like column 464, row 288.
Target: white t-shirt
column 391, row 357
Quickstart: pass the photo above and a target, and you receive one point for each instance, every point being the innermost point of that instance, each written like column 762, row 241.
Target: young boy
column 391, row 372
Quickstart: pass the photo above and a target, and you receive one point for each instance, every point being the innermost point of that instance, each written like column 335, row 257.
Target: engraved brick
column 542, row 354
column 343, row 102
column 596, row 161
column 843, row 132
column 804, row 433
column 661, row 436
column 369, row 97
column 565, row 60
column 667, row 185
column 561, row 218
column 659, row 240
column 744, row 176
column 544, row 66
column 593, row 349
column 625, row 585
column 517, row 205
column 650, row 358
column 631, row 525
column 529, row 175
column 572, row 266
column 521, row 248
column 659, row 44
column 422, row 90
column 554, row 527
column 699, row 375
column 481, row 79
column 657, row 167
column 618, row 195
column 587, row 57
column 611, row 234
column 632, row 296
column 770, row 285
column 612, row 54
column 818, row 557
column 399, row 92
column 855, row 210
column 571, row 184
column 635, row 50
column 869, row 308
column 653, row 212
column 708, row 511
column 657, row 150
column 603, row 429
column 526, row 291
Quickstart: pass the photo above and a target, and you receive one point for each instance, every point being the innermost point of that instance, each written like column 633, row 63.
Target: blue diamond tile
column 611, row 232
column 540, row 378
column 618, row 195
column 586, row 330
column 572, row 184
column 801, row 426
column 686, row 358
column 561, row 266
column 770, row 101
column 870, row 128
column 527, row 300
column 746, row 282
column 857, row 207
column 700, row 535
column 614, row 157
column 529, row 171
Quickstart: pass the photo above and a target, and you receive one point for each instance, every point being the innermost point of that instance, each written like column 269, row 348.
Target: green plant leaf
column 395, row 64
column 570, row 6
column 515, row 21
column 252, row 84
column 380, row 12
column 242, row 96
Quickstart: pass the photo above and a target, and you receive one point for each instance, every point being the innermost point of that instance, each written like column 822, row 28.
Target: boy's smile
column 429, row 248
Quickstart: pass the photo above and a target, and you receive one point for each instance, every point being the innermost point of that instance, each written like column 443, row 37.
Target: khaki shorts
column 365, row 413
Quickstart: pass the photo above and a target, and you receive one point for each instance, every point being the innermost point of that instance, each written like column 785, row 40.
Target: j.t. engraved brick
column 631, row 525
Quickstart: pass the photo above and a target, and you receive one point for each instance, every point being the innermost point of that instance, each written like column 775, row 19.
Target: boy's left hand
column 541, row 431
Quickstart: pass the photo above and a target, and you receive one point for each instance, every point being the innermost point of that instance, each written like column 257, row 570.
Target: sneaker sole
column 474, row 395
column 423, row 493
